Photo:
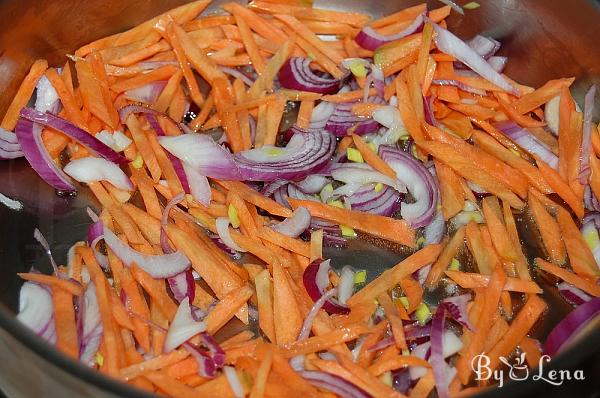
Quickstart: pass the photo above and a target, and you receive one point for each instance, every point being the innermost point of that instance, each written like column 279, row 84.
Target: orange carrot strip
column 323, row 341
column 127, row 225
column 493, row 147
column 450, row 250
column 573, row 157
column 319, row 58
column 511, row 227
column 424, row 52
column 407, row 112
column 250, row 44
column 119, row 312
column 310, row 14
column 580, row 256
column 91, row 92
column 397, row 362
column 146, row 188
column 66, row 98
column 518, row 329
column 144, row 148
column 257, row 23
column 305, row 113
column 392, row 276
column 156, row 363
column 162, row 73
column 495, row 223
column 560, row 187
column 287, row 317
column 294, row 245
column 265, row 81
column 407, row 14
column 54, row 282
column 64, row 318
column 372, row 158
column 274, row 116
column 260, row 381
column 532, row 349
column 175, row 388
column 451, row 191
column 263, row 285
column 256, row 198
column 378, row 389
column 549, row 231
column 156, row 290
column 383, row 227
column 226, row 309
column 137, row 304
column 542, row 95
column 23, row 95
column 391, row 312
column 141, row 54
column 484, row 258
column 239, row 90
column 180, row 54
column 469, row 280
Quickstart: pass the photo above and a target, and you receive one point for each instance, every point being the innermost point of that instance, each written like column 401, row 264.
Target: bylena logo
column 518, row 371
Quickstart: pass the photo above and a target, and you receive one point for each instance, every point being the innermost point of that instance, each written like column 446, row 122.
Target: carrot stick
column 532, row 349
column 319, row 57
column 257, row 23
column 64, row 318
column 372, row 158
column 250, row 44
column 542, row 95
column 294, row 245
column 451, row 192
column 53, row 281
column 391, row 312
column 258, row 389
column 287, row 317
column 223, row 96
column 495, row 223
column 226, row 309
column 66, row 98
column 392, row 276
column 144, row 148
column 305, row 113
column 91, row 92
column 156, row 363
column 471, row 170
column 377, row 388
column 423, row 387
column 155, row 290
column 265, row 81
column 484, row 259
column 182, row 59
column 469, row 280
column 397, row 362
column 383, row 227
column 518, row 329
column 407, row 112
column 549, row 231
column 274, row 115
column 175, row 388
column 23, row 94
column 256, row 198
column 580, row 256
column 308, row 14
column 560, row 187
column 323, row 341
column 239, row 90
column 404, row 15
column 446, row 256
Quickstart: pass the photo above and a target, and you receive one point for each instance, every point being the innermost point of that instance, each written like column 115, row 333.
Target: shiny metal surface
column 544, row 39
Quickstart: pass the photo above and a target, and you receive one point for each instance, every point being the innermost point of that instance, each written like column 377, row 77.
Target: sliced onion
column 551, row 114
column 384, row 203
column 95, row 234
column 216, row 352
column 497, row 63
column 316, row 280
column 203, row 154
column 434, row 231
column 369, row 39
column 238, row 75
column 92, row 169
column 206, row 366
column 222, row 226
column 343, row 119
column 312, row 314
column 36, row 308
column 572, row 294
column 148, row 93
column 158, row 266
column 586, row 143
column 528, row 142
column 361, row 174
column 29, row 135
column 182, row 285
column 458, row 84
column 8, row 136
column 321, row 114
column 335, row 384
column 569, row 327
column 199, row 185
column 74, row 132
column 47, row 99
column 312, row 184
column 420, row 184
column 484, row 46
column 234, row 381
column 590, row 231
column 89, row 326
column 294, row 226
column 117, row 140
column 448, row 43
column 7, row 155
column 44, row 243
column 457, row 309
column 346, row 284
column 296, row 74
column 589, row 199
column 389, row 117
column 437, row 351
column 183, row 327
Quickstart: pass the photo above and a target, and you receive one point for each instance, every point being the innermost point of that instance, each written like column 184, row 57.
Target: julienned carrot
column 64, row 318
column 407, row 14
column 559, row 185
column 372, row 158
column 542, row 95
column 155, row 290
column 265, row 80
column 446, row 256
column 407, row 112
column 581, row 257
column 495, row 223
column 292, row 244
column 490, row 307
column 398, row 362
column 53, row 281
column 251, row 196
column 260, row 381
column 264, row 295
column 319, row 57
column 311, row 14
column 186, row 71
column 257, row 23
column 532, row 349
column 287, row 317
column 451, row 192
column 305, row 113
column 274, row 116
column 156, row 363
column 120, row 313
column 475, row 242
column 23, row 94
column 518, row 329
column 549, row 231
column 471, row 170
column 66, row 98
column 323, row 341
column 392, row 276
column 566, row 108
column 468, row 280
column 91, row 92
column 383, row 227
column 144, row 148
column 226, row 309
column 377, row 388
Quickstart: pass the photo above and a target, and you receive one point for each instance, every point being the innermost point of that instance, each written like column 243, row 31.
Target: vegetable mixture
column 227, row 150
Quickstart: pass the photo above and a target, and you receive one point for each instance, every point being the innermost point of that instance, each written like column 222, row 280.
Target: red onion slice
column 316, row 279
column 497, row 63
column 586, row 143
column 321, row 114
column 312, row 184
column 46, row 97
column 312, row 314
column 459, row 85
column 369, row 39
column 8, row 136
column 36, row 308
column 437, row 352
column 97, row 169
column 434, row 231
column 199, row 185
column 333, row 383
column 361, row 174
column 222, row 226
column 183, row 327
column 296, row 74
column 366, row 199
column 484, row 46
column 457, row 309
column 294, row 226
column 572, row 294
column 95, row 234
column 448, row 43
column 420, row 184
column 346, row 284
column 74, row 132
column 8, row 155
column 343, row 119
column 29, row 135
column 147, row 93
column 44, row 243
column 89, row 325
column 159, row 266
column 568, row 328
column 528, row 142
